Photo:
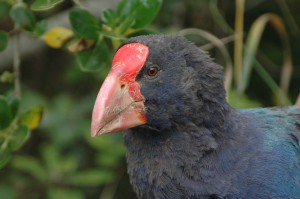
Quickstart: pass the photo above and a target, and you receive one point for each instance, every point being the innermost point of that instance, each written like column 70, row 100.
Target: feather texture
column 195, row 145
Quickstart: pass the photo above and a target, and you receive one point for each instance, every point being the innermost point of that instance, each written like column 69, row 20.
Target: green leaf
column 40, row 5
column 3, row 40
column 4, row 8
column 112, row 35
column 108, row 17
column 57, row 163
column 30, row 165
column 7, row 191
column 142, row 32
column 91, row 177
column 19, row 137
column 55, row 192
column 5, row 157
column 40, row 28
column 242, row 101
column 14, row 104
column 7, row 77
column 93, row 59
column 84, row 23
column 23, row 16
column 142, row 11
column 5, row 113
column 126, row 24
column 32, row 118
column 107, row 156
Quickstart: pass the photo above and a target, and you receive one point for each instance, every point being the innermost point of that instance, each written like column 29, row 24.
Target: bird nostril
column 122, row 86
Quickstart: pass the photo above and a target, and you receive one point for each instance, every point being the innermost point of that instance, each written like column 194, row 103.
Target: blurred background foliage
column 51, row 71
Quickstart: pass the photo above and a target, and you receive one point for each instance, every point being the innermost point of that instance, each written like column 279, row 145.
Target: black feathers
column 195, row 145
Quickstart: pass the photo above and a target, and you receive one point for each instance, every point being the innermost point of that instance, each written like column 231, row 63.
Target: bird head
column 158, row 82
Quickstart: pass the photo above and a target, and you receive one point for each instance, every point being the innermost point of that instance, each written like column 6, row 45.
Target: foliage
column 58, row 173
column 245, row 54
column 45, row 147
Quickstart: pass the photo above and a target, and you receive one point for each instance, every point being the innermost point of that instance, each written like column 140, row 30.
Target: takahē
column 183, row 138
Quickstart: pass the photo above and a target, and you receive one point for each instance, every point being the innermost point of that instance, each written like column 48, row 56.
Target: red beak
column 119, row 104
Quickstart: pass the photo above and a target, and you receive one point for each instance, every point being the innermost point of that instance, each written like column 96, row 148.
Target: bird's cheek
column 134, row 91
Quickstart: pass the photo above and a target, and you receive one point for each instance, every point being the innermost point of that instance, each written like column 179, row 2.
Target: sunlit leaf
column 40, row 5
column 3, row 40
column 93, row 59
column 57, row 37
column 84, row 23
column 5, row 157
column 91, row 177
column 32, row 118
column 19, row 137
column 23, row 16
column 5, row 113
column 142, row 11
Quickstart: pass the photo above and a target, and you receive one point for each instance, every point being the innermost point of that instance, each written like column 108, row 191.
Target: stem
column 298, row 101
column 7, row 134
column 16, row 66
column 238, row 44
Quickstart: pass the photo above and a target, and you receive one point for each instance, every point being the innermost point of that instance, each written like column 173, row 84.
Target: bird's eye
column 152, row 71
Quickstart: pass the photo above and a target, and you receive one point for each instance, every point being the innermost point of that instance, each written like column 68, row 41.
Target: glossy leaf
column 57, row 37
column 5, row 113
column 23, row 16
column 142, row 11
column 32, row 118
column 93, row 59
column 5, row 157
column 19, row 137
column 40, row 5
column 3, row 40
column 84, row 23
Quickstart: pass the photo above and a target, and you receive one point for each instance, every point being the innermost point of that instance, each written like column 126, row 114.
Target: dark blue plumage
column 195, row 145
